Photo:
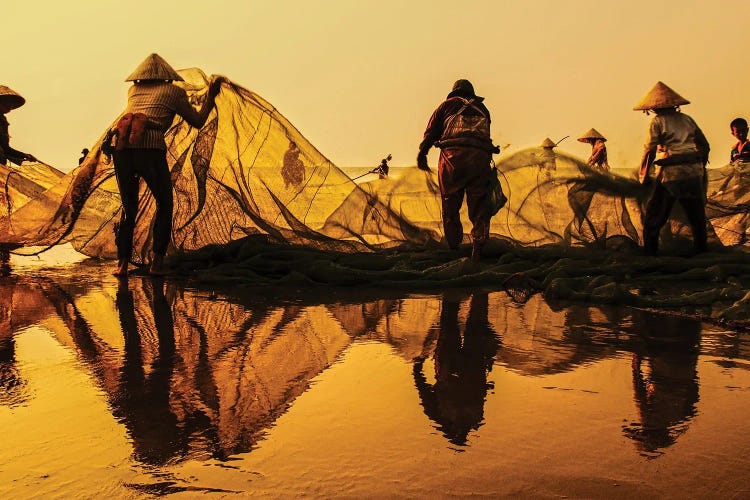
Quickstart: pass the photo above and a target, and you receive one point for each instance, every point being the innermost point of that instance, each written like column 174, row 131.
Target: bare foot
column 122, row 269
column 157, row 267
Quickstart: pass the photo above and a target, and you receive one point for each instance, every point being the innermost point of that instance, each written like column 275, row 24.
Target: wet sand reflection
column 201, row 376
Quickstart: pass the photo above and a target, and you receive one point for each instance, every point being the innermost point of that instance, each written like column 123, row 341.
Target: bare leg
column 122, row 268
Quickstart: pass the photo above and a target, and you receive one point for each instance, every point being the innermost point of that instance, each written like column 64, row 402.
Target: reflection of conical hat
column 591, row 134
column 9, row 96
column 548, row 143
column 154, row 68
column 660, row 96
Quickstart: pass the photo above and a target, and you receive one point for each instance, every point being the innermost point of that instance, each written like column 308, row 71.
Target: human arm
column 14, row 155
column 649, row 149
column 433, row 132
column 198, row 118
column 702, row 144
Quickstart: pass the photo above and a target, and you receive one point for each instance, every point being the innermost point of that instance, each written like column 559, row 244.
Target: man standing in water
column 460, row 127
column 141, row 151
column 10, row 100
column 683, row 151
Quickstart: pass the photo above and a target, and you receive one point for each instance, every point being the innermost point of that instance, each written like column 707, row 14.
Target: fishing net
column 256, row 202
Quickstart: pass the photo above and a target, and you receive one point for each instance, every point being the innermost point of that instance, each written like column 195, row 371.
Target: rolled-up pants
column 465, row 170
column 150, row 164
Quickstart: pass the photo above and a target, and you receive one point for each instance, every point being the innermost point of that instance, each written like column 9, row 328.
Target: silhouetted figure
column 598, row 158
column 548, row 163
column 383, row 169
column 12, row 386
column 293, row 170
column 141, row 151
column 677, row 145
column 456, row 401
column 10, row 100
column 460, row 127
column 665, row 379
column 142, row 402
column 84, row 154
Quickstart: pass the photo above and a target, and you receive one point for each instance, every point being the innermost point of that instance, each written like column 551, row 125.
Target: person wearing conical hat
column 10, row 100
column 598, row 158
column 683, row 153
column 548, row 158
column 153, row 102
column 460, row 127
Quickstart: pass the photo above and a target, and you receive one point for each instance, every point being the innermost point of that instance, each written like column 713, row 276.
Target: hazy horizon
column 360, row 79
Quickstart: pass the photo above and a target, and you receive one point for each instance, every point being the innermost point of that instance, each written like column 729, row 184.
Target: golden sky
column 360, row 78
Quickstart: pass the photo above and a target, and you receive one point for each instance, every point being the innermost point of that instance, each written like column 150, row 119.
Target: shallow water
column 154, row 387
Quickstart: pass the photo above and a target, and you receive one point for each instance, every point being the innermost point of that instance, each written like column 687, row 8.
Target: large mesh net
column 256, row 201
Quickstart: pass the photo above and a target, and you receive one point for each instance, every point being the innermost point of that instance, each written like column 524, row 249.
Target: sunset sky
column 361, row 78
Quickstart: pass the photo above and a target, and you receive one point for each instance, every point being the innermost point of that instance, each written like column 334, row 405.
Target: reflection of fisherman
column 456, row 400
column 143, row 395
column 141, row 151
column 548, row 164
column 665, row 380
column 293, row 170
column 10, row 100
column 84, row 154
column 460, row 127
column 598, row 158
column 684, row 154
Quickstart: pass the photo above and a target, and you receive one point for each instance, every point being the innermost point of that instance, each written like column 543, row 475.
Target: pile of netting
column 257, row 203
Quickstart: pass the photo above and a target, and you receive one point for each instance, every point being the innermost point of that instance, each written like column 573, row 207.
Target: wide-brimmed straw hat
column 592, row 135
column 548, row 143
column 154, row 67
column 9, row 96
column 659, row 97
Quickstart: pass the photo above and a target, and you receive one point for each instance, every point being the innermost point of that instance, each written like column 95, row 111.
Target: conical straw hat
column 548, row 143
column 660, row 96
column 154, row 67
column 11, row 97
column 591, row 134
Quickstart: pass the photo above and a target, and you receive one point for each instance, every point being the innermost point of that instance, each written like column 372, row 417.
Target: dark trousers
column 657, row 214
column 465, row 171
column 150, row 164
column 476, row 201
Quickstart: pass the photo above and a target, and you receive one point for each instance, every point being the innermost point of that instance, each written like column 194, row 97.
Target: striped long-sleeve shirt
column 161, row 101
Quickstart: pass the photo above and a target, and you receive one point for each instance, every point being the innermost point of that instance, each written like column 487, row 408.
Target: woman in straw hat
column 153, row 102
column 10, row 100
column 683, row 151
column 598, row 158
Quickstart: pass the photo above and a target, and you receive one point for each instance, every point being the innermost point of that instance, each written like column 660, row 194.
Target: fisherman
column 548, row 165
column 84, row 154
column 598, row 158
column 141, row 150
column 10, row 100
column 292, row 170
column 741, row 151
column 460, row 127
column 683, row 154
column 383, row 168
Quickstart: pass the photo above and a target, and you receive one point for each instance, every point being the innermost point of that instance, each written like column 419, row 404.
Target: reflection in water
column 665, row 380
column 12, row 386
column 141, row 400
column 196, row 376
column 456, row 400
